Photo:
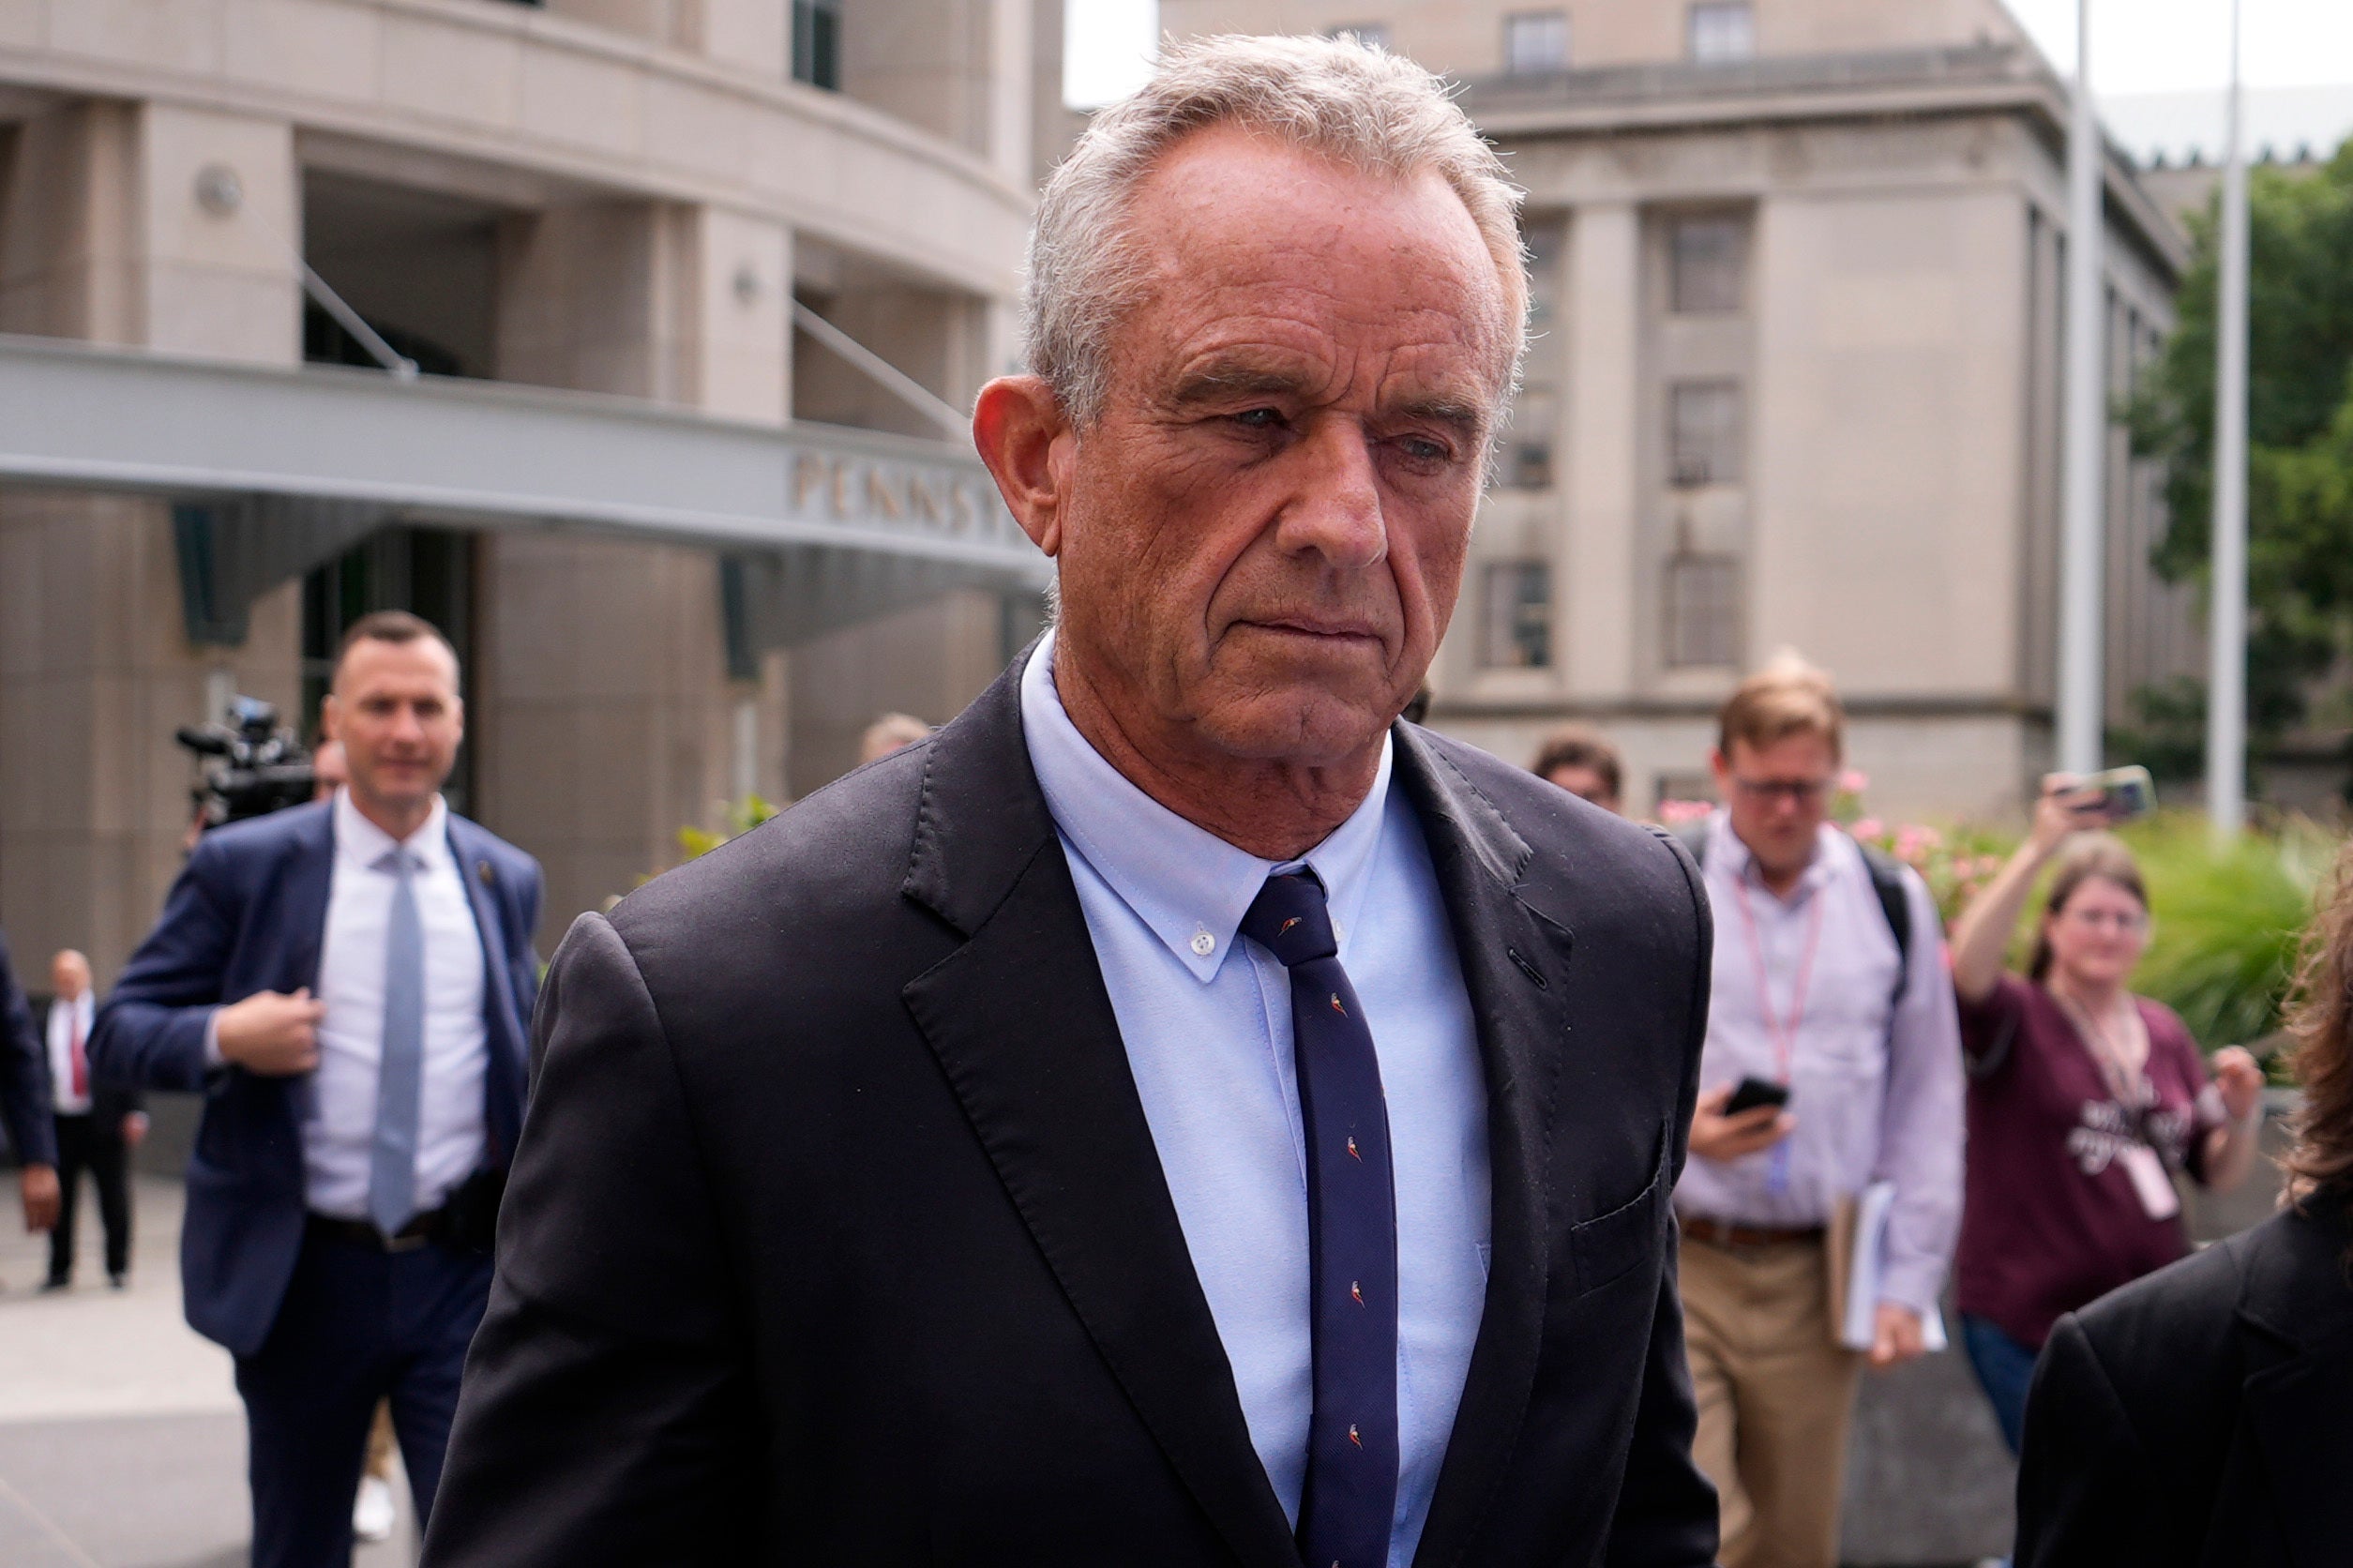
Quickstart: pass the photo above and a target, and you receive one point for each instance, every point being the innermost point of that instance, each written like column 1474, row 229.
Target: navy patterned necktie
column 1352, row 1490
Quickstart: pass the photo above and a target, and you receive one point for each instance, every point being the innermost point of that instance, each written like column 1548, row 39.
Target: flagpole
column 2082, row 567
column 2226, row 675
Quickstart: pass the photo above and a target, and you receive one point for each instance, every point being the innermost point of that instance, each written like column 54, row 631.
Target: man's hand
column 39, row 1184
column 135, row 1129
column 1896, row 1337
column 2239, row 1077
column 1717, row 1136
column 271, row 1034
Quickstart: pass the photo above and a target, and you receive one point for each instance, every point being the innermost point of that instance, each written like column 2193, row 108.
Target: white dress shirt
column 64, row 1019
column 1209, row 1041
column 338, row 1114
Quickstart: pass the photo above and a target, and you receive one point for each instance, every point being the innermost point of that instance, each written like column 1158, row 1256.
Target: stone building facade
column 1795, row 384
column 628, row 198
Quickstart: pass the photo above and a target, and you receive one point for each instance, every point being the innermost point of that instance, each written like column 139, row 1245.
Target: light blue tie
column 400, row 1076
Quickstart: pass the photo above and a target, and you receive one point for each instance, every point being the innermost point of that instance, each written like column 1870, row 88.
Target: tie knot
column 1289, row 919
column 400, row 860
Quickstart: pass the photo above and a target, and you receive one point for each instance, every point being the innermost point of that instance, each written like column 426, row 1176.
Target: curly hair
column 2320, row 1020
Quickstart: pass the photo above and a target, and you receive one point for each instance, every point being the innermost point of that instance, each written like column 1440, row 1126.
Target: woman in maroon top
column 2084, row 1101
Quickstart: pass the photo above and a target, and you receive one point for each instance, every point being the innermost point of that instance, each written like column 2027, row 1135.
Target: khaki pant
column 1776, row 1394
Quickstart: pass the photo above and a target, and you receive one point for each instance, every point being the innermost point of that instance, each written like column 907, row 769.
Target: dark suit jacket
column 109, row 1101
column 249, row 914
column 2202, row 1417
column 23, row 1074
column 837, row 1235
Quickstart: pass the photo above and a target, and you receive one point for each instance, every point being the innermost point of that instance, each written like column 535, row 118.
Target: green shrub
column 2229, row 921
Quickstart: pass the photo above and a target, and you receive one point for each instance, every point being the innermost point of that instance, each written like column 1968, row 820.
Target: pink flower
column 1671, row 812
column 1854, row 781
column 1870, row 827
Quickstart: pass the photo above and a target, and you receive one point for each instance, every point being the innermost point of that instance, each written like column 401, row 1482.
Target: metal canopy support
column 2082, row 553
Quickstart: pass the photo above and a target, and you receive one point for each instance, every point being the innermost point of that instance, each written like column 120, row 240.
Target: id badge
column 2156, row 1190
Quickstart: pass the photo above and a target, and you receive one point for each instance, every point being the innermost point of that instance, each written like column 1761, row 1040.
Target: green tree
column 2299, row 428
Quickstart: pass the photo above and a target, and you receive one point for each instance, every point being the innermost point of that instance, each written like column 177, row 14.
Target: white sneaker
column 372, row 1514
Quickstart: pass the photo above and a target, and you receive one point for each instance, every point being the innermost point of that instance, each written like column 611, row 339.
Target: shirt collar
column 363, row 843
column 1726, row 849
column 1179, row 878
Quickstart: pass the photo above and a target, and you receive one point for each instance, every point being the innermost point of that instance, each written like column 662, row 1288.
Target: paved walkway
column 121, row 1443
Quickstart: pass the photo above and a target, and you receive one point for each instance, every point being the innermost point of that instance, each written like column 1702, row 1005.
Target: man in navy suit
column 348, row 984
column 24, row 1102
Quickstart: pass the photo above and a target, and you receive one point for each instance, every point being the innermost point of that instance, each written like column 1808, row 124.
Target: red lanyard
column 1782, row 1040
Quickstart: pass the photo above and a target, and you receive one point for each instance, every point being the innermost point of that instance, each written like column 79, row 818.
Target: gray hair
column 1336, row 96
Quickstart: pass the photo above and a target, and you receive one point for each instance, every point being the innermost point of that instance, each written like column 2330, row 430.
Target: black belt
column 1723, row 1233
column 423, row 1229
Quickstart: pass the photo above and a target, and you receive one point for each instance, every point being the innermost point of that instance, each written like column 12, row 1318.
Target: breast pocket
column 1613, row 1244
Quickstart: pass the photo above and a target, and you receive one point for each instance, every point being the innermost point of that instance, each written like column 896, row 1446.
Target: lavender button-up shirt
column 1876, row 1085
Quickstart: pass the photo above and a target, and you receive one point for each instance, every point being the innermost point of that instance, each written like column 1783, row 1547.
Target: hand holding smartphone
column 1755, row 1092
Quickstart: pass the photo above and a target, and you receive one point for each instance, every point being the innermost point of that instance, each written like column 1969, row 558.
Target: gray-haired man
column 1176, row 1114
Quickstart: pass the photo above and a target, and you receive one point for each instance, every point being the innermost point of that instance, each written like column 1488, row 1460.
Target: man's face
column 328, row 773
column 1265, row 534
column 69, row 974
column 395, row 708
column 1586, row 784
column 1779, row 795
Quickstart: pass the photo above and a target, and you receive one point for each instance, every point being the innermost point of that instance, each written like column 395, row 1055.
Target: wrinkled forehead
column 1232, row 229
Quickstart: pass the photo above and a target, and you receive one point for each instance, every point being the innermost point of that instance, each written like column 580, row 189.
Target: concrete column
column 604, row 719
column 749, row 34
column 1603, row 330
column 103, row 237
column 1012, row 61
column 928, row 62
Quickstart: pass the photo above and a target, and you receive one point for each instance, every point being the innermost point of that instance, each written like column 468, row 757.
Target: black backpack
column 1886, row 882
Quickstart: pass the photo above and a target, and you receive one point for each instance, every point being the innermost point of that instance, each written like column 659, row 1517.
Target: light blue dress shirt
column 1208, row 1033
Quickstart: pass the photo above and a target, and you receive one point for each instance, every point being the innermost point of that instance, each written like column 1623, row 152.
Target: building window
column 816, row 43
column 1703, row 433
column 1372, row 35
column 1535, row 42
column 1518, row 631
column 1702, row 612
column 1706, row 257
column 1723, row 30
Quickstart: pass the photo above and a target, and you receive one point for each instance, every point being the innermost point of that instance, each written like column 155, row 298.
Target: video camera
column 259, row 766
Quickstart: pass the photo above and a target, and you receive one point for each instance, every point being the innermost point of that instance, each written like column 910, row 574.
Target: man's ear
column 329, row 711
column 1024, row 437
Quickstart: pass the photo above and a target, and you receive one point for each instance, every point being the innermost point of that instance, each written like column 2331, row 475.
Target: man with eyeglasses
column 1830, row 987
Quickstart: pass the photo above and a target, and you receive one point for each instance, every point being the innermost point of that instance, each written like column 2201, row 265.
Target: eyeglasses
column 2126, row 921
column 1797, row 791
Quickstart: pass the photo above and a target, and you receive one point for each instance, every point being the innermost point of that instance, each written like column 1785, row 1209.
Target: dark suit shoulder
column 480, row 842
column 258, row 840
column 807, row 904
column 2169, row 1348
column 1571, row 840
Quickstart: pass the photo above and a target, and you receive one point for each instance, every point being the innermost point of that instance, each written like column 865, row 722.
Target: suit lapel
column 1023, row 1028
column 502, row 1085
column 1522, row 1013
column 309, row 877
column 2298, row 1316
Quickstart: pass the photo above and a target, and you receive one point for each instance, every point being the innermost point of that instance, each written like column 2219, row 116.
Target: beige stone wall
column 1466, row 36
column 103, row 237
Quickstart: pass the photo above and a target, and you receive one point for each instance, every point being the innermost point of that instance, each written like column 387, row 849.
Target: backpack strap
column 1886, row 882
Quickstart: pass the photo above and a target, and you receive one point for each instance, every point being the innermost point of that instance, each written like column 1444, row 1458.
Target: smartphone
column 2124, row 792
column 1755, row 1092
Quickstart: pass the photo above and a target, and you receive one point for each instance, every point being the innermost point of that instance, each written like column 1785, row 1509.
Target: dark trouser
column 358, row 1325
column 2005, row 1369
column 81, row 1146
